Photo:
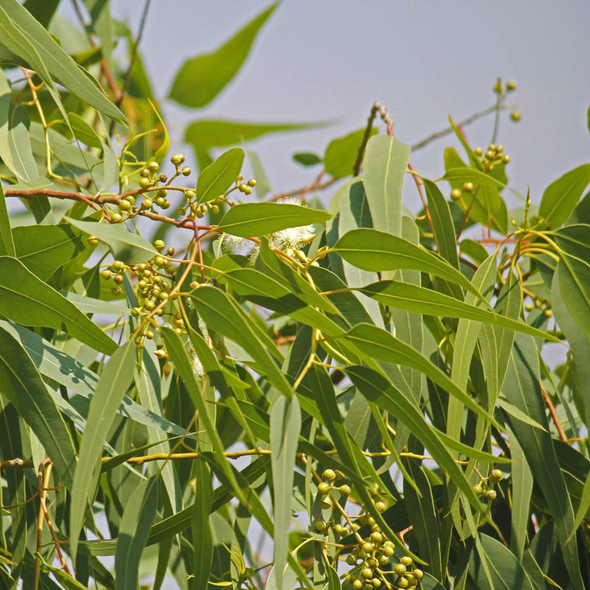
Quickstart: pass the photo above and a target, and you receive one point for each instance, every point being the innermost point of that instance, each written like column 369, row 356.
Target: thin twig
column 554, row 416
column 449, row 130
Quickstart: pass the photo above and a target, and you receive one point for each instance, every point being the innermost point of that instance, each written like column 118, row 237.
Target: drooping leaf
column 505, row 571
column 257, row 219
column 133, row 533
column 29, row 301
column 6, row 237
column 202, row 78
column 21, row 384
column 285, row 424
column 112, row 385
column 385, row 347
column 375, row 250
column 206, row 134
column 25, row 36
column 522, row 389
column 125, row 246
column 201, row 529
column 429, row 302
column 45, row 248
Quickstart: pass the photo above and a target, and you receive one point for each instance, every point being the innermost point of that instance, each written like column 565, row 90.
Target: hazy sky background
column 331, row 59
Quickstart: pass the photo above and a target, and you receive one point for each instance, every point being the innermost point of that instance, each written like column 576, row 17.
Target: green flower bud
column 329, row 475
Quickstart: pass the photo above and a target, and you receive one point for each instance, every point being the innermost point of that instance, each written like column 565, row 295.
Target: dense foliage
column 390, row 400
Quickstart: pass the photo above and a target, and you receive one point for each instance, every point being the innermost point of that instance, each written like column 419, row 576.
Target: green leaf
column 384, row 170
column 84, row 132
column 125, row 246
column 424, row 519
column 375, row 250
column 341, row 153
column 257, row 219
column 202, row 78
column 133, row 533
column 383, row 346
column 114, row 381
column 45, row 248
column 21, row 156
column 505, row 571
column 29, row 301
column 6, row 237
column 522, row 389
column 21, row 383
column 223, row 315
column 562, row 195
column 378, row 389
column 444, row 229
column 285, row 424
column 574, row 284
column 214, row 180
column 26, row 37
column 206, row 134
column 201, row 529
column 429, row 302
column 307, row 159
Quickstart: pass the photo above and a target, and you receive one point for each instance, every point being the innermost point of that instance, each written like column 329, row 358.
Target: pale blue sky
column 327, row 59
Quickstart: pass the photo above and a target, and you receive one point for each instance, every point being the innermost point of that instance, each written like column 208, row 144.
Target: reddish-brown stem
column 554, row 416
column 424, row 203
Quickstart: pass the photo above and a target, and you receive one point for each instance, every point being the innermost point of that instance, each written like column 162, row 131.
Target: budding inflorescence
column 485, row 487
column 371, row 555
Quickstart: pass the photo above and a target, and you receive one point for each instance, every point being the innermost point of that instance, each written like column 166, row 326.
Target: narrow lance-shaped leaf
column 562, row 195
column 383, row 346
column 133, row 533
column 114, row 381
column 6, row 238
column 258, row 219
column 522, row 388
column 125, row 246
column 28, row 39
column 226, row 317
column 285, row 424
column 378, row 251
column 22, row 385
column 29, row 301
column 429, row 302
column 201, row 529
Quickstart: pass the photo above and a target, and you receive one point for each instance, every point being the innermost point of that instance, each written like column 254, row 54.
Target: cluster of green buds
column 370, row 558
column 245, row 187
column 374, row 554
column 492, row 156
column 196, row 209
column 542, row 304
column 502, row 90
column 485, row 487
column 115, row 272
column 155, row 280
column 457, row 193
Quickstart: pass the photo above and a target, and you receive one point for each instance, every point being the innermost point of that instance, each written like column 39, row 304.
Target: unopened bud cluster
column 485, row 487
column 543, row 305
column 370, row 559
